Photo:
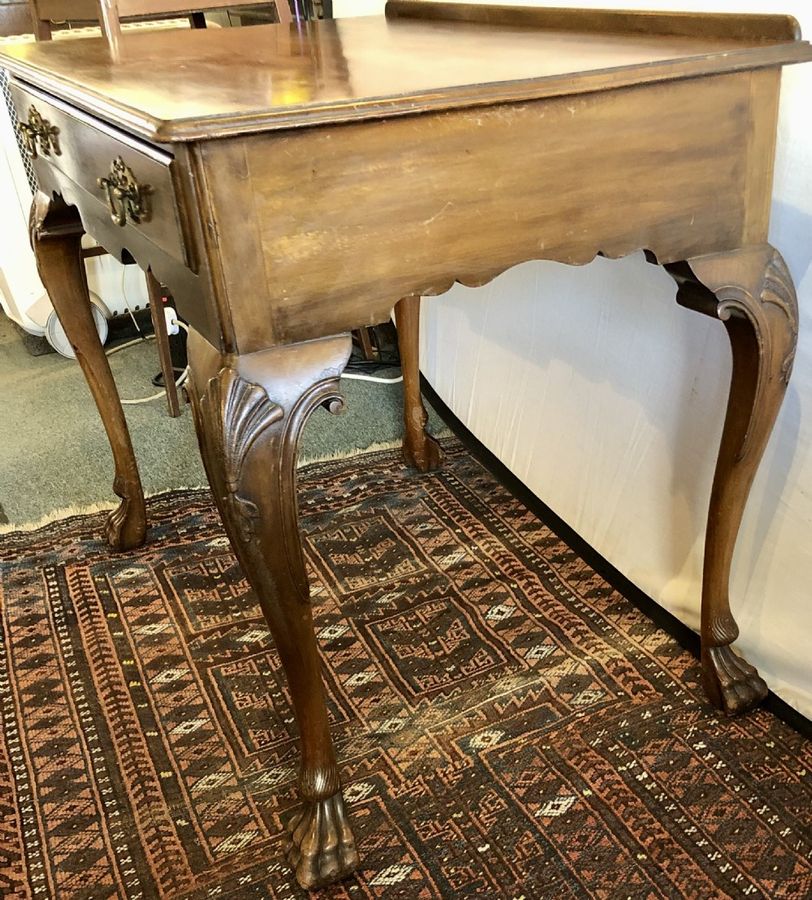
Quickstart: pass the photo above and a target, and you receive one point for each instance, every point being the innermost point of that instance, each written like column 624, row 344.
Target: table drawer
column 133, row 179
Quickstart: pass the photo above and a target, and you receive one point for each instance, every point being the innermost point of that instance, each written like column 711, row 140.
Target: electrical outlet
column 171, row 317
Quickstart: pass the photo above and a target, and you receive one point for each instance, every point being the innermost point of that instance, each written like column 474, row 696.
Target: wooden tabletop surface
column 182, row 85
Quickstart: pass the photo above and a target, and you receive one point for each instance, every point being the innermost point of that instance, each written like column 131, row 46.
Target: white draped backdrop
column 607, row 400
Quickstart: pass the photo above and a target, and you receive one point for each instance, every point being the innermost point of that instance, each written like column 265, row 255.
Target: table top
column 187, row 85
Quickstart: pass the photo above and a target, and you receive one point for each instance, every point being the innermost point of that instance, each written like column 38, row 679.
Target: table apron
column 323, row 229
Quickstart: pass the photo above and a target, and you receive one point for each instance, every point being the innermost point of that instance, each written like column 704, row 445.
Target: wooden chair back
column 111, row 12
column 15, row 17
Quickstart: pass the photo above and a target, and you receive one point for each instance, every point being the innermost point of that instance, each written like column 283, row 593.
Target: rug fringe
column 347, row 454
column 57, row 515
column 67, row 512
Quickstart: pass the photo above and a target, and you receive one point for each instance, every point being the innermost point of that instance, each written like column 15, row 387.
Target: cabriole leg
column 420, row 449
column 751, row 291
column 56, row 236
column 249, row 412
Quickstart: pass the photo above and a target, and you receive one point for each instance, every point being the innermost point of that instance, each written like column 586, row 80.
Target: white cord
column 351, row 376
column 150, row 337
column 179, row 383
column 141, row 340
column 356, row 376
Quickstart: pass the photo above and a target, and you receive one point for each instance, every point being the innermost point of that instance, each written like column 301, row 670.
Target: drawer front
column 132, row 179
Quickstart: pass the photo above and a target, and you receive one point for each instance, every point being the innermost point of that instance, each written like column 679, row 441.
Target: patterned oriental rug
column 508, row 725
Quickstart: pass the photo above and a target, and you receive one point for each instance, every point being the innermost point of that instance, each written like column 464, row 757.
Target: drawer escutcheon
column 126, row 198
column 38, row 130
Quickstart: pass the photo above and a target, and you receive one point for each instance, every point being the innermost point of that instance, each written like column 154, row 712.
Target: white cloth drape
column 607, row 400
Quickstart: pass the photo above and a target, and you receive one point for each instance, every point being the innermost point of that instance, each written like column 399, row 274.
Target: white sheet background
column 607, row 400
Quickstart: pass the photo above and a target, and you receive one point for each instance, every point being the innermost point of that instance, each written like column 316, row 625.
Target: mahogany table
column 440, row 143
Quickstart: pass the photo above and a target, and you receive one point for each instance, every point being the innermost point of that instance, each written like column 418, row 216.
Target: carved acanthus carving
column 249, row 412
column 775, row 290
column 766, row 300
column 778, row 290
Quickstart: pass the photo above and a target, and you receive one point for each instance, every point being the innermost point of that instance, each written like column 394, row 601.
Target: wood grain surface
column 739, row 26
column 383, row 211
column 181, row 85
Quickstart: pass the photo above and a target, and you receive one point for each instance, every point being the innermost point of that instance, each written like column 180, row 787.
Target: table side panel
column 765, row 91
column 381, row 210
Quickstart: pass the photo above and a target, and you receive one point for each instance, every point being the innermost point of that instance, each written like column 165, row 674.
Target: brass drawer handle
column 37, row 129
column 126, row 198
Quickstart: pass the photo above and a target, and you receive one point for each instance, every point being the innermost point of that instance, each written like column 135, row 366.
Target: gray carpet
column 54, row 453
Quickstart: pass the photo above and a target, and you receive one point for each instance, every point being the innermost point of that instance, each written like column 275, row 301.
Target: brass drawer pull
column 37, row 129
column 126, row 198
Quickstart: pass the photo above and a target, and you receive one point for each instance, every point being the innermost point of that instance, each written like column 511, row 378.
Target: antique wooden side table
column 443, row 142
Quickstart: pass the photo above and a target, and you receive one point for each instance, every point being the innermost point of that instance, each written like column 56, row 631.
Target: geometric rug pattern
column 507, row 724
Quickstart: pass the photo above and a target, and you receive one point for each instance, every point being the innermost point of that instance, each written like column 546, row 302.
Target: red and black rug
column 508, row 725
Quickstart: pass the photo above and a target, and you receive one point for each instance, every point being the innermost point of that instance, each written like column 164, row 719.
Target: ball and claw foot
column 733, row 685
column 126, row 526
column 424, row 453
column 320, row 847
